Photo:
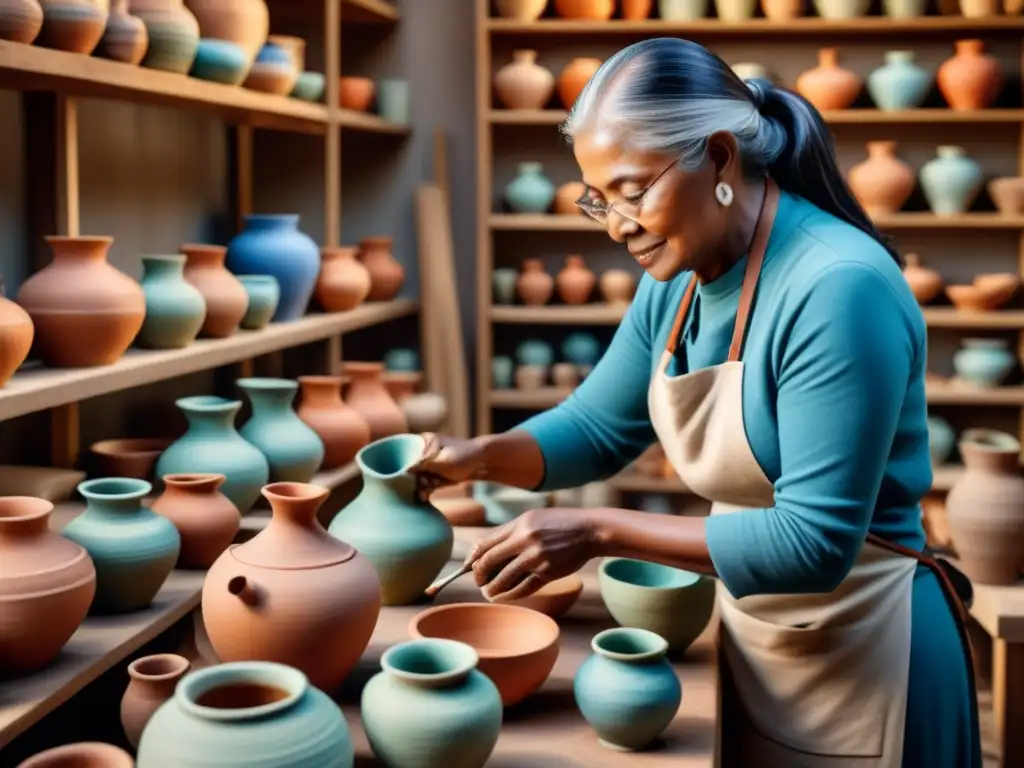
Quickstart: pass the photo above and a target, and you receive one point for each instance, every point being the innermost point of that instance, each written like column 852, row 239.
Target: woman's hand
column 446, row 461
column 537, row 547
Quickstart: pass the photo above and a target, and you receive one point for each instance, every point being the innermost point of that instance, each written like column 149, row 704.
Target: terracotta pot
column 636, row 10
column 1008, row 194
column 783, row 10
column 523, row 83
column 125, row 37
column 73, row 25
column 344, row 282
column 293, row 594
column 970, row 298
column 78, row 328
column 970, row 79
column 242, row 22
column 986, row 507
column 343, row 430
column 387, row 275
column 87, row 754
column 152, row 680
column 47, row 584
column 565, row 375
column 975, row 9
column 356, row 93
column 173, row 34
column 566, row 197
column 1000, row 286
column 369, row 397
column 16, row 335
column 534, row 286
column 924, row 283
column 882, row 183
column 531, row 377
column 575, row 282
column 574, row 77
column 520, row 10
column 206, row 519
column 617, row 286
column 829, row 86
column 226, row 297
column 20, row 20
column 588, row 10
column 517, row 646
column 131, row 457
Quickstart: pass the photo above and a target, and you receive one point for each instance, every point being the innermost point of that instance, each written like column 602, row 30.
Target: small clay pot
column 970, row 79
column 1007, row 193
column 882, row 183
column 829, row 86
column 131, row 457
column 152, row 682
column 523, row 83
column 206, row 519
column 924, row 283
column 226, row 297
column 636, row 10
column 574, row 78
column 125, row 37
column 575, row 282
column 585, row 10
column 968, row 298
column 357, row 93
column 387, row 275
column 566, row 197
column 565, row 375
column 534, row 286
column 84, row 754
column 999, row 287
column 530, row 377
column 344, row 282
column 520, row 10
column 617, row 286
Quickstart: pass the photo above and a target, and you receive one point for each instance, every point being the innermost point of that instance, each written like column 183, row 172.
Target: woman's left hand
column 539, row 546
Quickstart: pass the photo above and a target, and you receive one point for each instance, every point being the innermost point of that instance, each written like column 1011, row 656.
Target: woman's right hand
column 447, row 461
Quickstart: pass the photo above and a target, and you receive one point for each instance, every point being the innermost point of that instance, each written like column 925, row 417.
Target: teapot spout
column 244, row 590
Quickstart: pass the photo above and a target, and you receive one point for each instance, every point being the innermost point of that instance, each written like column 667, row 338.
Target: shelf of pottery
column 929, row 136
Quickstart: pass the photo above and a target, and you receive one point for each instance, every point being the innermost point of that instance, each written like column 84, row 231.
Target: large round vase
column 523, row 83
column 16, row 335
column 273, row 245
column 984, row 362
column 627, row 690
column 47, row 584
column 407, row 540
column 133, row 548
column 75, row 328
column 293, row 594
column 431, row 706
column 882, row 183
column 253, row 714
column 174, row 309
column 293, row 450
column 213, row 445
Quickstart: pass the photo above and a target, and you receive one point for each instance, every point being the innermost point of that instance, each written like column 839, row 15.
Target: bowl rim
column 608, row 561
column 537, row 616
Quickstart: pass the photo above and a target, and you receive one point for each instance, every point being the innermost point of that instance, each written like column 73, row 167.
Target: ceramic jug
column 900, row 83
column 882, row 183
column 951, row 181
column 293, row 450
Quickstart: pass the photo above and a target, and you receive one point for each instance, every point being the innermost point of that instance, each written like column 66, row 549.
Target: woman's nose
column 620, row 226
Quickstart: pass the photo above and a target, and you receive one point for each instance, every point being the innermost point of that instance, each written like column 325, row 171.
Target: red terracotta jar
column 226, row 297
column 205, row 517
column 387, row 275
column 971, row 79
column 341, row 428
column 152, row 680
column 534, row 286
column 369, row 397
column 829, row 86
column 16, row 334
column 344, row 283
column 881, row 183
column 588, row 10
column 574, row 77
column 574, row 282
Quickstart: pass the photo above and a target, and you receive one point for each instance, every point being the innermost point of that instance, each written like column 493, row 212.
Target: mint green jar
column 950, row 181
column 134, row 550
column 175, row 310
column 408, row 541
column 264, row 294
column 212, row 444
column 530, row 191
column 900, row 83
column 246, row 714
column 431, row 707
column 294, row 451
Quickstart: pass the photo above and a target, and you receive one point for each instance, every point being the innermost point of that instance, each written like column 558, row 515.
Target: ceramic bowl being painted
column 671, row 602
column 220, row 61
column 309, row 86
column 517, row 646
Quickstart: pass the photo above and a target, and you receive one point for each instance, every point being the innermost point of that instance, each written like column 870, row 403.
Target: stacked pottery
column 951, row 181
column 617, row 286
column 574, row 78
column 407, row 540
column 76, row 327
column 431, row 706
column 133, row 549
column 585, row 10
column 173, row 34
column 152, row 680
column 175, row 310
column 226, row 299
column 94, row 754
column 924, row 283
column 16, row 335
column 343, row 431
column 293, row 594
column 523, row 83
column 213, row 445
column 986, row 507
column 242, row 22
column 387, row 275
column 263, row 294
column 20, row 20
column 984, row 362
column 574, row 282
column 971, row 79
column 344, row 283
column 249, row 715
column 125, row 37
column 47, row 584
column 368, row 396
column 882, row 183
column 829, row 86
column 73, row 25
column 534, row 285
column 900, row 83
column 273, row 245
column 206, row 519
column 293, row 450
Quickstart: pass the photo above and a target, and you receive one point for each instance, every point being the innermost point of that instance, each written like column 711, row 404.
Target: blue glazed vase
column 900, row 83
column 133, row 548
column 264, row 294
column 220, row 61
column 246, row 714
column 984, row 362
column 581, row 349
column 535, row 352
column 408, row 541
column 273, row 245
column 627, row 691
column 431, row 706
column 941, row 439
column 530, row 191
column 293, row 450
column 950, row 181
column 175, row 310
column 401, row 359
column 213, row 445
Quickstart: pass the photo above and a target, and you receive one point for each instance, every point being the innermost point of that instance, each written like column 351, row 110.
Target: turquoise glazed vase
column 984, row 362
column 408, row 541
column 502, row 372
column 670, row 602
column 431, row 707
column 213, row 445
column 899, row 83
column 134, row 550
column 950, row 181
column 941, row 439
column 273, row 245
column 175, row 310
column 401, row 359
column 220, row 61
column 535, row 352
column 530, row 191
column 627, row 690
column 581, row 349
column 246, row 714
column 264, row 294
column 293, row 450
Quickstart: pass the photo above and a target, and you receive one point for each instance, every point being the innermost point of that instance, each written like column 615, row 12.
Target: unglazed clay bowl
column 555, row 598
column 969, row 298
column 517, row 646
column 671, row 602
column 84, row 754
column 131, row 457
column 999, row 286
column 1008, row 194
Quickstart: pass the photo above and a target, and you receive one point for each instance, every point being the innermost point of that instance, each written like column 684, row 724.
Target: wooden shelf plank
column 365, row 122
column 371, row 11
column 923, row 220
column 26, row 67
column 582, row 314
column 40, row 388
column 950, row 317
column 834, row 117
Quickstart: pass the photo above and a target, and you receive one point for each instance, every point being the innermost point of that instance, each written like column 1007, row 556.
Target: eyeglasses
column 629, row 207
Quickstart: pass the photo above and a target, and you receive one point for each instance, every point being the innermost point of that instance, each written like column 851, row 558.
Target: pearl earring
column 723, row 193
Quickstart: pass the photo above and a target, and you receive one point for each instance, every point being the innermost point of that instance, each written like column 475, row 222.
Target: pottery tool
column 444, row 581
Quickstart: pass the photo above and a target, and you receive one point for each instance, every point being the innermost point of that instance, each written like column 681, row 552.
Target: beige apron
column 807, row 681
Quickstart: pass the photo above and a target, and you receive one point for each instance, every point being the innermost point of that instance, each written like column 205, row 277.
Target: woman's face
column 675, row 227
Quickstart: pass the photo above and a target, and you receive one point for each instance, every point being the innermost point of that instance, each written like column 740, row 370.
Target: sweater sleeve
column 604, row 424
column 847, row 355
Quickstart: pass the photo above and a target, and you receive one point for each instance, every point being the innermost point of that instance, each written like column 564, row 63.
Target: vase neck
column 881, row 149
column 531, row 168
column 163, row 266
column 950, row 152
column 114, row 496
column 194, row 485
column 575, row 262
column 80, row 248
column 208, row 414
column 899, row 57
column 205, row 255
column 269, row 395
column 828, row 57
column 321, row 391
column 430, row 663
column 969, row 47
column 341, row 253
column 159, row 674
column 525, row 56
column 287, row 221
column 24, row 517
